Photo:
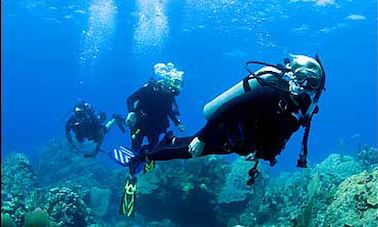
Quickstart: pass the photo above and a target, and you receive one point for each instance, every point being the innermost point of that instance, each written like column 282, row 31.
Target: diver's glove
column 181, row 127
column 131, row 119
column 196, row 147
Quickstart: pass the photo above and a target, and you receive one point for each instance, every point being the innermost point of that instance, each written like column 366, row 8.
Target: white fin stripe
column 121, row 157
column 115, row 151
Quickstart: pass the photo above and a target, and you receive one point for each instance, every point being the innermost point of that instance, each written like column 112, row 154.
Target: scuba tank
column 267, row 73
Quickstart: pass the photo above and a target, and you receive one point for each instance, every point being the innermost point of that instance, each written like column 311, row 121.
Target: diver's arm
column 174, row 118
column 133, row 98
column 131, row 101
column 175, row 108
column 197, row 145
column 173, row 113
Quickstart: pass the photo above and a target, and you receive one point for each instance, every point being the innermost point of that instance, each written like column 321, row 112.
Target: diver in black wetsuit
column 254, row 118
column 150, row 109
column 87, row 124
column 152, row 105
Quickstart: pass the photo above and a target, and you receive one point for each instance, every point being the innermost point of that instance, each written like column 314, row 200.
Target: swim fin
column 128, row 199
column 122, row 155
column 149, row 166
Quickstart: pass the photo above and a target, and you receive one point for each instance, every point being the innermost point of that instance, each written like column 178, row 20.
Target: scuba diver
column 151, row 106
column 150, row 109
column 87, row 124
column 254, row 118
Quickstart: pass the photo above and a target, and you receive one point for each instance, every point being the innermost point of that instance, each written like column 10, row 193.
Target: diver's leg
column 136, row 141
column 177, row 150
column 153, row 139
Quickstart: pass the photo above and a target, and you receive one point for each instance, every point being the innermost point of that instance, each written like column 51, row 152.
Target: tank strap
column 302, row 159
column 277, row 66
column 257, row 76
column 246, row 86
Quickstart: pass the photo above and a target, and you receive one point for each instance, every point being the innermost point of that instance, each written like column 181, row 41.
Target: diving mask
column 305, row 76
column 307, row 79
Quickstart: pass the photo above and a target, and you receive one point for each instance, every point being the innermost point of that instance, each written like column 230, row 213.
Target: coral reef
column 162, row 223
column 19, row 187
column 67, row 208
column 19, row 170
column 276, row 200
column 355, row 201
column 99, row 200
column 6, row 220
column 191, row 187
column 235, row 188
column 301, row 198
column 313, row 189
column 333, row 170
column 367, row 156
column 37, row 218
column 207, row 191
column 336, row 168
column 28, row 205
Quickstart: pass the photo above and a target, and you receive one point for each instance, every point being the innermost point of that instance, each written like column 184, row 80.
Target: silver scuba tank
column 235, row 91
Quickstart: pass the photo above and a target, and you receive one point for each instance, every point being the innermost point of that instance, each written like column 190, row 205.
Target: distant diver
column 255, row 118
column 85, row 123
column 150, row 109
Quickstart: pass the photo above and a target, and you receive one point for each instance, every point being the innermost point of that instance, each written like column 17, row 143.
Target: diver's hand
column 131, row 119
column 196, row 147
column 181, row 127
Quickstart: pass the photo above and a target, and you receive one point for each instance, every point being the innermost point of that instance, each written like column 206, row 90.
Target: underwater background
column 56, row 52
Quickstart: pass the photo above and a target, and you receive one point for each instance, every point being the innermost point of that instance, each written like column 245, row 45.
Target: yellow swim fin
column 149, row 166
column 128, row 199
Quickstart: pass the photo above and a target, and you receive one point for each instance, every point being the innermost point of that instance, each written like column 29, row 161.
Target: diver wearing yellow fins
column 150, row 109
column 254, row 118
column 150, row 106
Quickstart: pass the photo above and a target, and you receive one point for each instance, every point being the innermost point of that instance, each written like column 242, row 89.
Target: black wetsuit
column 257, row 122
column 86, row 125
column 152, row 106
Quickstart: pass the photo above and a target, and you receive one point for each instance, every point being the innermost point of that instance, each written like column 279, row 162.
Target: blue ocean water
column 55, row 52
